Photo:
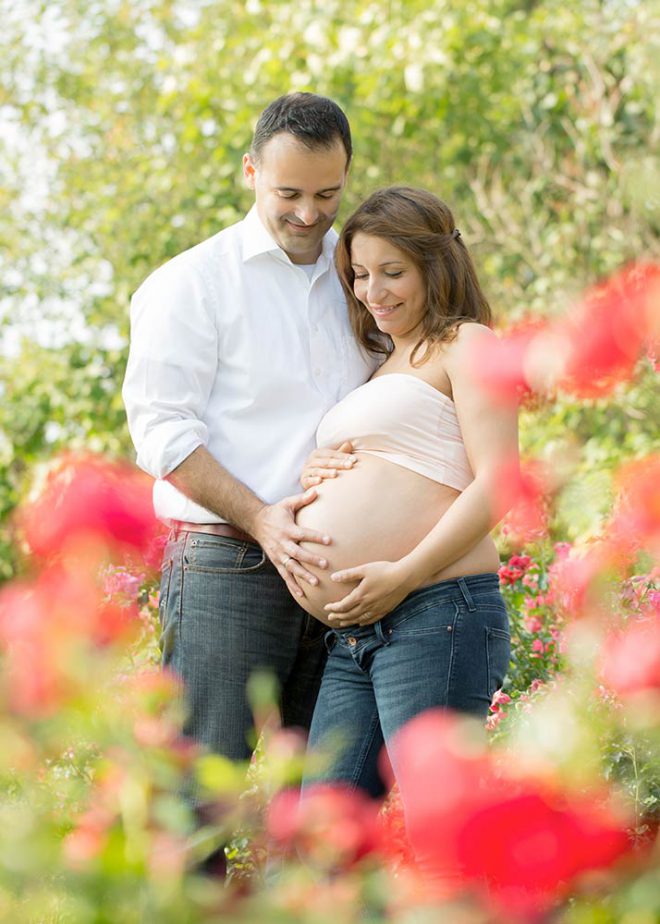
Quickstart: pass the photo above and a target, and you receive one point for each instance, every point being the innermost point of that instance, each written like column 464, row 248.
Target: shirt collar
column 256, row 240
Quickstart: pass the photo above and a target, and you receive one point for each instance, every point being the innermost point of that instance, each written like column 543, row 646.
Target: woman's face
column 389, row 285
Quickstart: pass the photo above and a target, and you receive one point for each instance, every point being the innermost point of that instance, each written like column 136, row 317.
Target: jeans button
column 352, row 641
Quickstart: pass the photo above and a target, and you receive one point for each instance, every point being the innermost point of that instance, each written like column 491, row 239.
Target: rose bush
column 550, row 814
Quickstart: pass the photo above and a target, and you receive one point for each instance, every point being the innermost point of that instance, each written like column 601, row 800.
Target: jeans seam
column 500, row 634
column 369, row 739
column 452, row 653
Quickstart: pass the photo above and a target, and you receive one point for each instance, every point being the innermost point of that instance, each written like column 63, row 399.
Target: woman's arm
column 490, row 434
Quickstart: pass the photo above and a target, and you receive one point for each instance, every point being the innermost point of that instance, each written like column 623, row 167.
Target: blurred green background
column 122, row 126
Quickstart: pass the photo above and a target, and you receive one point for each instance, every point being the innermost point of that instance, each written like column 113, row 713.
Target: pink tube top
column 405, row 420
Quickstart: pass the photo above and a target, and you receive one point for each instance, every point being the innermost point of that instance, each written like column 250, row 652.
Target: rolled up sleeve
column 172, row 366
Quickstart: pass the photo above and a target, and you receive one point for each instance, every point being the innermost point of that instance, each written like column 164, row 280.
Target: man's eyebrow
column 294, row 189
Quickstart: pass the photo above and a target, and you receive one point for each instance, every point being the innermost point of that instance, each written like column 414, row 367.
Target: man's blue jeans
column 225, row 612
column 446, row 645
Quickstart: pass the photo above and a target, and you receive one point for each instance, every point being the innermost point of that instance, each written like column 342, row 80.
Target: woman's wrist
column 411, row 575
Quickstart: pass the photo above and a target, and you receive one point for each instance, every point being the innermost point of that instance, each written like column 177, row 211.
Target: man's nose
column 307, row 213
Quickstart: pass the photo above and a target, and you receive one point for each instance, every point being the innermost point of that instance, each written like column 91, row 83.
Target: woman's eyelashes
column 394, row 275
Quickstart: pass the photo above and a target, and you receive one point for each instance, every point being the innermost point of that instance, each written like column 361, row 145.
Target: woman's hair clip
column 455, row 234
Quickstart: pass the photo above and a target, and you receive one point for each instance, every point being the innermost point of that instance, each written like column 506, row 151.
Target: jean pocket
column 164, row 589
column 426, row 618
column 221, row 555
column 498, row 653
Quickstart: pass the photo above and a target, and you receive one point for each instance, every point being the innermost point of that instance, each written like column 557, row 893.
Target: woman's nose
column 375, row 289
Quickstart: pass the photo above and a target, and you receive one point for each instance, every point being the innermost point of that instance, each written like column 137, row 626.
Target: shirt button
column 317, row 371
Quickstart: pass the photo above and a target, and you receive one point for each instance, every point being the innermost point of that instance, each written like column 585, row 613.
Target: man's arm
column 201, row 478
column 172, row 366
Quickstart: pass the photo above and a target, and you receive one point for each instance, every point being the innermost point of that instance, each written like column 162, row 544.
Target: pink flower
column 630, row 661
column 333, row 827
column 520, row 562
column 562, row 549
column 499, row 699
column 120, row 582
column 532, row 623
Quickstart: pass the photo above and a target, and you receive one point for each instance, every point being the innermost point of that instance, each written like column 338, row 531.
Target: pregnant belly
column 378, row 511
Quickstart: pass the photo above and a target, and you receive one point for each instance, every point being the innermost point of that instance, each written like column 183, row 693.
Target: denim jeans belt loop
column 467, row 596
column 214, row 529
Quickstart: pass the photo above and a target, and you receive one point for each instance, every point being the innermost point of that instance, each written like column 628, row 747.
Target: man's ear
column 249, row 170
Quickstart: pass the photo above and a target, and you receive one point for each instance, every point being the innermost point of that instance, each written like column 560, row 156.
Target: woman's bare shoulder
column 470, row 336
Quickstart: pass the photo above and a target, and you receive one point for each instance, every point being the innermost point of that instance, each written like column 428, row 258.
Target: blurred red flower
column 574, row 580
column 44, row 625
column 332, row 826
column 88, row 500
column 530, row 846
column 522, row 498
column 610, row 329
column 443, row 771
column 637, row 519
column 514, row 569
column 519, row 843
column 630, row 658
column 501, row 368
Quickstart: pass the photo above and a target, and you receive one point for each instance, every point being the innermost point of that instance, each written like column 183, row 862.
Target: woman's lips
column 384, row 310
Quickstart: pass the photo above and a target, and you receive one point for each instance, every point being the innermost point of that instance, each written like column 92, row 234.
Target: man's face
column 297, row 192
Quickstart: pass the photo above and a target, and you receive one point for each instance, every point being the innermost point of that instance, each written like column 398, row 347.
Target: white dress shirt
column 234, row 348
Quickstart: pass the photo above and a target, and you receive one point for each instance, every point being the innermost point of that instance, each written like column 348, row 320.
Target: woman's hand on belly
column 382, row 585
column 326, row 463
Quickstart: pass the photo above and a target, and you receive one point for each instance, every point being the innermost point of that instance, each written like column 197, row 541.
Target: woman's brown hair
column 422, row 226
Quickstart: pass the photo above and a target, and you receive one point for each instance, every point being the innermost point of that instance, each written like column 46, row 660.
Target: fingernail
column 326, row 540
column 313, row 580
column 335, row 577
column 323, row 563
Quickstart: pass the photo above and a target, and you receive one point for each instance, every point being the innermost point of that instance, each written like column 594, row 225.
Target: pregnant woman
column 411, row 594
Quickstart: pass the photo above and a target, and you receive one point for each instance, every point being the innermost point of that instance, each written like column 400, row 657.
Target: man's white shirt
column 234, row 348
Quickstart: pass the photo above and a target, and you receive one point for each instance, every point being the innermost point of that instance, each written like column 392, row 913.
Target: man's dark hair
column 316, row 121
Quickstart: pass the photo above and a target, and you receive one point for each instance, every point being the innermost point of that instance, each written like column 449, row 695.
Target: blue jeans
column 225, row 612
column 445, row 645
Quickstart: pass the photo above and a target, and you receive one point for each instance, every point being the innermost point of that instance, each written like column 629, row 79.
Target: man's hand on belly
column 382, row 586
column 277, row 533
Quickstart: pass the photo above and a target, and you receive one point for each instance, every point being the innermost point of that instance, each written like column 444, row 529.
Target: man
column 238, row 348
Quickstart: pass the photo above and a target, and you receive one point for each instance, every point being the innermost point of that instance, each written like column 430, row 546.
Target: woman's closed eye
column 394, row 275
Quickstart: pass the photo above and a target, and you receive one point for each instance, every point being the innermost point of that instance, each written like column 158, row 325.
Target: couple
column 243, row 357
